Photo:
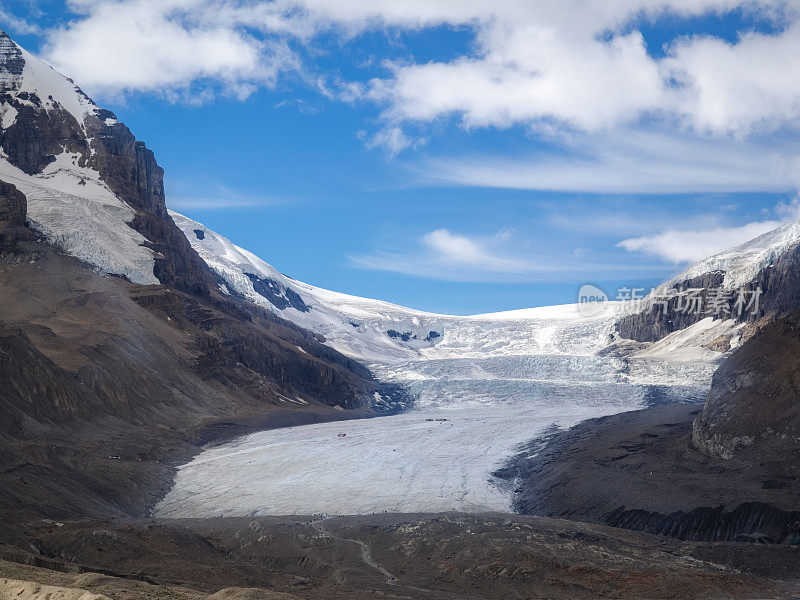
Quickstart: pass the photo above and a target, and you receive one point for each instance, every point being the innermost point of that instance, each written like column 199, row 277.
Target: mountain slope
column 95, row 192
column 727, row 471
column 115, row 339
column 762, row 276
column 382, row 332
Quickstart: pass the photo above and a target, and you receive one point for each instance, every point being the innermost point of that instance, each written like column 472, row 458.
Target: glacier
column 493, row 381
column 484, row 384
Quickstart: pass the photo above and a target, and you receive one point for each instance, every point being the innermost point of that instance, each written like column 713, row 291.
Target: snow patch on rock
column 53, row 89
column 75, row 210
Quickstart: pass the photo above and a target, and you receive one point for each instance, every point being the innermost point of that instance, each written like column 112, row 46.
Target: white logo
column 592, row 301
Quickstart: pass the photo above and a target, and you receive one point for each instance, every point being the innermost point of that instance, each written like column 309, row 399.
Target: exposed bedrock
column 780, row 293
column 748, row 522
column 13, row 211
column 640, row 470
column 753, row 408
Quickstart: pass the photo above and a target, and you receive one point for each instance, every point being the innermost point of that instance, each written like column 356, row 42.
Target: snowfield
column 75, row 210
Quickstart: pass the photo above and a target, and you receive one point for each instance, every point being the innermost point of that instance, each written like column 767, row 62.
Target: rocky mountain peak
column 91, row 187
column 11, row 62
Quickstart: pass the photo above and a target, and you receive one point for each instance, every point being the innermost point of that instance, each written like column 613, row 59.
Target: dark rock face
column 652, row 325
column 131, row 171
column 404, row 336
column 201, row 235
column 753, row 407
column 13, row 210
column 640, row 471
column 13, row 206
column 11, row 60
column 780, row 293
column 432, row 335
column 278, row 295
column 37, row 136
column 249, row 350
column 749, row 522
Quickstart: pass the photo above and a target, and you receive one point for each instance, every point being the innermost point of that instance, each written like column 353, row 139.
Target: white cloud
column 170, row 45
column 17, row 24
column 678, row 246
column 532, row 62
column 583, row 67
column 690, row 246
column 748, row 86
column 391, row 138
column 567, row 67
column 442, row 254
column 455, row 249
column 209, row 195
column 529, row 74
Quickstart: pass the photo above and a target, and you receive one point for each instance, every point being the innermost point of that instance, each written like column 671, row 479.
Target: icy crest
column 35, row 83
column 744, row 262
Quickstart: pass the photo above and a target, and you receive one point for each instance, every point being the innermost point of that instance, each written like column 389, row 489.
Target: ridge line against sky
column 454, row 141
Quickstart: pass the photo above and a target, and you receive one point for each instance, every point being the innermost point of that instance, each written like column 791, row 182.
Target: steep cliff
column 757, row 280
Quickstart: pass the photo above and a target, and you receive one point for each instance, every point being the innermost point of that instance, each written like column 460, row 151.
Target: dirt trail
column 366, row 556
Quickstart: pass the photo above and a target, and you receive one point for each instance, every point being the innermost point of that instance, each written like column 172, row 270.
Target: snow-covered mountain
column 742, row 264
column 73, row 177
column 481, row 358
column 753, row 281
column 86, row 186
column 68, row 200
column 80, row 197
column 484, row 385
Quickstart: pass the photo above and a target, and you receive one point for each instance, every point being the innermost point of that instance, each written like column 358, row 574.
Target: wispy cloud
column 444, row 255
column 693, row 245
column 17, row 24
column 392, row 139
column 632, row 162
column 214, row 196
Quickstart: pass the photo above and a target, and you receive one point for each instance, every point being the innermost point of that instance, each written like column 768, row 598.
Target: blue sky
column 458, row 157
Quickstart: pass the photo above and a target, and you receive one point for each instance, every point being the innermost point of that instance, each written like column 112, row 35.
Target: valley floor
column 424, row 556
